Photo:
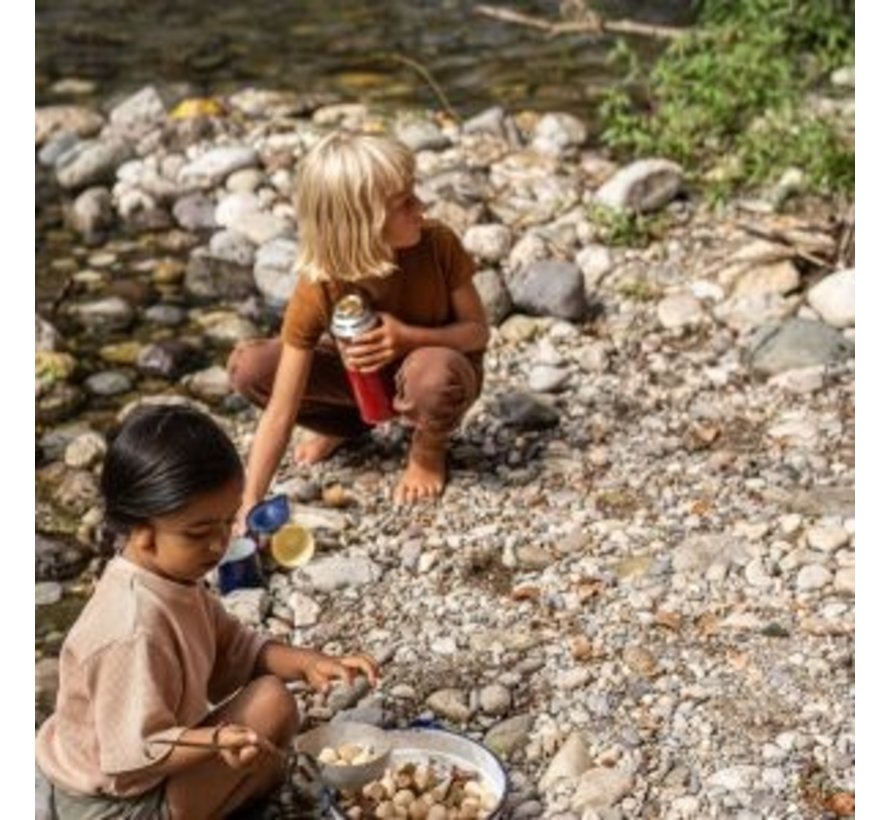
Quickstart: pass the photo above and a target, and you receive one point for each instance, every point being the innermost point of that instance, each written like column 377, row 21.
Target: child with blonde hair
column 168, row 707
column 362, row 232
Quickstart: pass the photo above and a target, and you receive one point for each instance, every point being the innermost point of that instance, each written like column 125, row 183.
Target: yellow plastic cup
column 292, row 546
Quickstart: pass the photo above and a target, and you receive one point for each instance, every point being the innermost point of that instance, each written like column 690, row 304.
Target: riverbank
column 638, row 587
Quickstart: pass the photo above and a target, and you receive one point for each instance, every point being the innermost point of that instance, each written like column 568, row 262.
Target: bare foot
column 316, row 447
column 424, row 477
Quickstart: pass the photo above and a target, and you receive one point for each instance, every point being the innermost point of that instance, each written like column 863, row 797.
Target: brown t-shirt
column 418, row 292
column 143, row 661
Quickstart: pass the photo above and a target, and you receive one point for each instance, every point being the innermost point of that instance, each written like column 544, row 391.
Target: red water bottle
column 373, row 391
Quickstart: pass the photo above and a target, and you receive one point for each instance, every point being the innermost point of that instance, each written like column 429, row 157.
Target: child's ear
column 142, row 537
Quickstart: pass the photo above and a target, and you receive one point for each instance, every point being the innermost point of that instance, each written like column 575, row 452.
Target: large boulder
column 645, row 185
column 549, row 288
column 796, row 343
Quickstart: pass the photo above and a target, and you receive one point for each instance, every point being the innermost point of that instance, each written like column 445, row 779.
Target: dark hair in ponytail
column 161, row 458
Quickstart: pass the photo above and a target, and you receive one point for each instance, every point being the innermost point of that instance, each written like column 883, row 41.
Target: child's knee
column 275, row 712
column 436, row 387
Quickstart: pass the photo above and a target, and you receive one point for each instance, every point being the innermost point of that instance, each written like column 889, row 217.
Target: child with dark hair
column 154, row 651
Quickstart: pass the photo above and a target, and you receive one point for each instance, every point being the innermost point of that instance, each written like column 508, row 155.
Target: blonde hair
column 343, row 185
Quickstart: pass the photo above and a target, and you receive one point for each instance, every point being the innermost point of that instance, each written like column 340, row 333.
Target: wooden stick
column 593, row 25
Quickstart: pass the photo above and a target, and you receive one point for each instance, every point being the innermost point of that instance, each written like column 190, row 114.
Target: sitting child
column 154, row 651
column 362, row 232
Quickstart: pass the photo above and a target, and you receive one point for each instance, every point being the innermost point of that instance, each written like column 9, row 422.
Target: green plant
column 624, row 228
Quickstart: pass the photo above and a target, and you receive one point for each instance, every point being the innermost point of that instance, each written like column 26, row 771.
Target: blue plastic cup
column 240, row 567
column 269, row 516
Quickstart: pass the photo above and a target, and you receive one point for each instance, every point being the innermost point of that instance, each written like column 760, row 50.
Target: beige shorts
column 149, row 806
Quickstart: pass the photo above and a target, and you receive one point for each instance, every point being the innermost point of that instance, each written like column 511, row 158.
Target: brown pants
column 434, row 387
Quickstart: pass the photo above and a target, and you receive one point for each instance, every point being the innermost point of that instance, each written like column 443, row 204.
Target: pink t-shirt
column 145, row 660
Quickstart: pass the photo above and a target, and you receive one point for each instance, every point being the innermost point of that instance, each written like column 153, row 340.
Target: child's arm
column 238, row 746
column 318, row 669
column 275, row 427
column 393, row 339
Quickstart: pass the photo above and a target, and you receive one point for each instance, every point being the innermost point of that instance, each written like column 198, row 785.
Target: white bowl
column 334, row 735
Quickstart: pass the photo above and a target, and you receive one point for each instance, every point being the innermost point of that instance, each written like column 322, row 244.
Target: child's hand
column 240, row 747
column 323, row 669
column 378, row 347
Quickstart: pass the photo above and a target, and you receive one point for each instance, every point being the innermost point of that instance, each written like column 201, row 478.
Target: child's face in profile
column 404, row 219
column 186, row 544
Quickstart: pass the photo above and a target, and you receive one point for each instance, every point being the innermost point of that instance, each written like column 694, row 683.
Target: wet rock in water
column 213, row 166
column 51, row 368
column 46, row 337
column 420, row 134
column 833, row 299
column 47, row 593
column 195, row 212
column 57, row 560
column 108, row 383
column 796, row 343
column 54, row 442
column 60, row 402
column 53, row 119
column 85, row 451
column 556, row 132
column 549, row 288
column 78, row 492
column 211, row 279
column 680, row 310
column 337, row 571
column 450, row 704
column 232, row 247
column 92, row 214
column 104, row 315
column 511, row 734
column 525, row 411
column 138, row 114
column 644, row 185
column 167, row 359
column 490, row 243
column 274, row 273
column 210, row 385
column 91, row 163
column 494, row 294
column 166, row 315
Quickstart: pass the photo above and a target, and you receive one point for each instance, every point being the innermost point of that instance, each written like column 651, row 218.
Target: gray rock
column 343, row 695
column 195, row 212
column 371, row 712
column 570, row 762
column 794, row 344
column 249, row 606
column 46, row 337
column 337, row 571
column 450, row 704
column 549, row 288
column 556, row 132
column 526, row 412
column 645, row 185
column 494, row 294
column 108, row 383
column 91, row 163
column 261, row 227
column 602, row 787
column 109, row 314
column 833, row 299
column 56, row 147
column 274, row 273
column 509, row 735
column 212, row 167
column 233, row 247
column 495, row 699
column 490, row 121
column 245, row 181
column 813, row 577
column 166, row 315
column 91, row 213
column 421, row 135
column 47, row 593
column 490, row 243
column 85, row 451
column 57, row 560
column 166, row 359
column 210, row 279
column 529, row 249
column 235, row 206
column 210, row 385
column 138, row 114
column 60, row 402
column 680, row 310
column 305, row 610
column 53, row 119
column 548, row 379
